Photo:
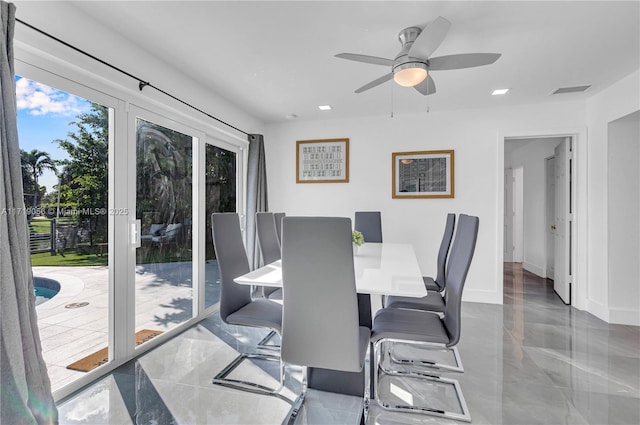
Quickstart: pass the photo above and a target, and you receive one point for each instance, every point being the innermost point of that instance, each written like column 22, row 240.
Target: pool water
column 44, row 289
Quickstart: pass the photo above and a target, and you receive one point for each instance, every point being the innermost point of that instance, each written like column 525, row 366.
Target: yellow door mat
column 100, row 357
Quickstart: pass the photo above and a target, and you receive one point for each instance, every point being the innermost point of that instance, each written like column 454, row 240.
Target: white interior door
column 550, row 165
column 508, row 215
column 562, row 275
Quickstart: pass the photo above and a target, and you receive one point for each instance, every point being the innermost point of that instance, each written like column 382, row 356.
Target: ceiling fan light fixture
column 410, row 74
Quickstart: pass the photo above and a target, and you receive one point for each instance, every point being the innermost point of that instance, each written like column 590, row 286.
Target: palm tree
column 35, row 163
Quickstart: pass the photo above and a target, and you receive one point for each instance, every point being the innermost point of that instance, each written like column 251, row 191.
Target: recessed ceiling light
column 498, row 92
column 325, row 107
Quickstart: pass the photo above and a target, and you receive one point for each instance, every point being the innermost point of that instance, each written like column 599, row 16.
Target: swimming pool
column 45, row 288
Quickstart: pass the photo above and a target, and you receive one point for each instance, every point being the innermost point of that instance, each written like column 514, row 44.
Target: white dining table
column 380, row 269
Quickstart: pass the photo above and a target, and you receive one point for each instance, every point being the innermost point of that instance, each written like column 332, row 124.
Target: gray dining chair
column 434, row 300
column 269, row 245
column 369, row 224
column 236, row 305
column 278, row 217
column 438, row 284
column 320, row 324
column 395, row 325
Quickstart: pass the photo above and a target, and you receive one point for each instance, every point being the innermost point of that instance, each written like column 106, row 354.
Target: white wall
column 475, row 137
column 532, row 156
column 612, row 103
column 624, row 212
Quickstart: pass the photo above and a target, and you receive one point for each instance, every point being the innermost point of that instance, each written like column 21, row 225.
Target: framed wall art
column 422, row 174
column 322, row 161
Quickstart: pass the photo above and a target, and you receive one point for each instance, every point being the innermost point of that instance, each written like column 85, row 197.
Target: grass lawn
column 70, row 258
column 73, row 258
column 43, row 225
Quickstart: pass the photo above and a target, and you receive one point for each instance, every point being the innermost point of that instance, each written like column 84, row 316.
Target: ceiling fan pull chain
column 428, row 97
column 392, row 100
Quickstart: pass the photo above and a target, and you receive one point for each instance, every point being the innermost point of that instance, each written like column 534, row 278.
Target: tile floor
column 163, row 296
column 532, row 360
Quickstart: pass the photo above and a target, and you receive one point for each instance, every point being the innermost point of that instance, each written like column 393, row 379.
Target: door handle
column 134, row 234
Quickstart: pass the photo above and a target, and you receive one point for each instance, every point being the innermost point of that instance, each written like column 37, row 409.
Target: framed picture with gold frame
column 422, row 174
column 322, row 161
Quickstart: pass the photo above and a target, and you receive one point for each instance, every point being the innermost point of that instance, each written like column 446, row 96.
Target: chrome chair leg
column 291, row 417
column 458, row 368
column 263, row 342
column 222, row 380
column 377, row 368
column 297, row 404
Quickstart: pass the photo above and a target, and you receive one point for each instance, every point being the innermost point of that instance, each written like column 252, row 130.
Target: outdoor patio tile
column 63, row 355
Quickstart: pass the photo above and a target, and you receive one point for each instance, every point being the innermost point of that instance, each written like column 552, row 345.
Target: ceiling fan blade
column 427, row 86
column 464, row 60
column 366, row 59
column 375, row 82
column 430, row 38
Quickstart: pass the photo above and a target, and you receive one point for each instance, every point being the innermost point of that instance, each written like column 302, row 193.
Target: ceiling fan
column 412, row 65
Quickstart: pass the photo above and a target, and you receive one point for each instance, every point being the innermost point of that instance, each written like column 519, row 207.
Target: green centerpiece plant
column 358, row 239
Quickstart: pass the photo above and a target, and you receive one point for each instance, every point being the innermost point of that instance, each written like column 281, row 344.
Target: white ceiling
column 273, row 59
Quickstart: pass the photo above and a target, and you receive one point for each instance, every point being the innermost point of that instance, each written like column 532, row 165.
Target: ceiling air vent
column 576, row 89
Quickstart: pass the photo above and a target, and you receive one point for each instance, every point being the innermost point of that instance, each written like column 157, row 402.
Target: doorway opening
column 538, row 218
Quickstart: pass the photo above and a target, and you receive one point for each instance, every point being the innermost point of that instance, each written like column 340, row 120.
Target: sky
column 44, row 114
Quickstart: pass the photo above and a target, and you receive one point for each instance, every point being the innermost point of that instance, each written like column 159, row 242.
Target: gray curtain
column 256, row 194
column 25, row 390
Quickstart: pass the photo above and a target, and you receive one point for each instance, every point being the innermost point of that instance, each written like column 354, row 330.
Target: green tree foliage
column 34, row 164
column 85, row 174
column 220, row 187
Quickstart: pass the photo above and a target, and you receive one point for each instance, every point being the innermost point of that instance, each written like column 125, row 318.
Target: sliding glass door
column 119, row 201
column 164, row 210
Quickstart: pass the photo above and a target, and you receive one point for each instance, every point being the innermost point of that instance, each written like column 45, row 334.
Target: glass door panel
column 65, row 143
column 164, row 261
column 220, row 196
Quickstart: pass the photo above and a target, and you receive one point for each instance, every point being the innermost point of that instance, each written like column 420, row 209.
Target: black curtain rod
column 141, row 83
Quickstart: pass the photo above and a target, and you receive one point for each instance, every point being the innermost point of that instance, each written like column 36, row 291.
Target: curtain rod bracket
column 142, row 85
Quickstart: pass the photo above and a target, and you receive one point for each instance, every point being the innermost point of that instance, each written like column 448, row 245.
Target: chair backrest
column 267, row 237
column 320, row 324
column 278, row 217
column 457, row 269
column 447, row 237
column 370, row 225
column 232, row 262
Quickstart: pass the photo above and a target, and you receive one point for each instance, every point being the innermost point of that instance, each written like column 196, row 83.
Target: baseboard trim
column 480, row 296
column 621, row 316
column 532, row 268
column 598, row 310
